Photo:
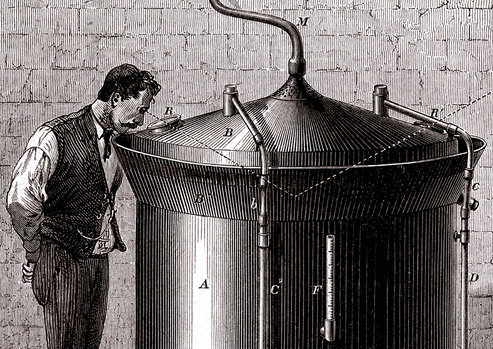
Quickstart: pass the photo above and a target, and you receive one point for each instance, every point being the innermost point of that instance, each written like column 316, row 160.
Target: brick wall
column 55, row 53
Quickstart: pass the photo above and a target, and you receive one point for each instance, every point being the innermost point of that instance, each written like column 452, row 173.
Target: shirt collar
column 97, row 114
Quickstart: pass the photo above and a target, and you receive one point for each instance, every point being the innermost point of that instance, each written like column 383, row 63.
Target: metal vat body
column 393, row 216
column 299, row 221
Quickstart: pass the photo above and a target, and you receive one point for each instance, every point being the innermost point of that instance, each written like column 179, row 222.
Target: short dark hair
column 128, row 81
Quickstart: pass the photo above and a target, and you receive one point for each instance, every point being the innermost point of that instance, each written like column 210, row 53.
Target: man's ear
column 115, row 99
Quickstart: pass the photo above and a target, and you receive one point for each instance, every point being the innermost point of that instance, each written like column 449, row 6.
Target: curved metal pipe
column 465, row 236
column 231, row 106
column 465, row 233
column 297, row 63
column 263, row 235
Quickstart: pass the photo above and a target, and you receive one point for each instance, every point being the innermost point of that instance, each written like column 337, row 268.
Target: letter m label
column 302, row 21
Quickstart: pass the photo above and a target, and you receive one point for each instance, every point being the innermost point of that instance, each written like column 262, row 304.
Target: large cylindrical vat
column 297, row 221
column 383, row 190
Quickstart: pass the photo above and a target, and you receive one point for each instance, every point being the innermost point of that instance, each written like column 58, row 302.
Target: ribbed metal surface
column 385, row 189
column 394, row 281
column 317, row 131
column 196, row 285
column 357, row 193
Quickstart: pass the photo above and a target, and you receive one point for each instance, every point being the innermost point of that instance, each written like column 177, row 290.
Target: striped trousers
column 74, row 296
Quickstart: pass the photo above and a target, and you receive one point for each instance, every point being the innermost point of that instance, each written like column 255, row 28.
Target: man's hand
column 27, row 272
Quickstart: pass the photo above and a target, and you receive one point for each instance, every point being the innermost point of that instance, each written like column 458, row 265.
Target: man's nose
column 139, row 120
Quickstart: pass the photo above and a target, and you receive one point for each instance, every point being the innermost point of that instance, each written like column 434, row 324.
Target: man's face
column 129, row 113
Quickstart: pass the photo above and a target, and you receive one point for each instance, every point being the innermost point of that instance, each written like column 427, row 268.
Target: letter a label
column 204, row 285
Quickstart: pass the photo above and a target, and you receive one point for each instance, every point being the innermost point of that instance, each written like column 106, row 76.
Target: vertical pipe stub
column 380, row 94
column 230, row 91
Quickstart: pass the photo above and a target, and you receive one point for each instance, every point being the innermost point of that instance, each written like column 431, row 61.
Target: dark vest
column 77, row 191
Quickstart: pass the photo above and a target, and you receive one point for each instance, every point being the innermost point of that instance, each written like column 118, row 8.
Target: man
column 61, row 202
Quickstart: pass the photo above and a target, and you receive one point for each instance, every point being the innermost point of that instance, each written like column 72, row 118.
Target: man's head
column 129, row 92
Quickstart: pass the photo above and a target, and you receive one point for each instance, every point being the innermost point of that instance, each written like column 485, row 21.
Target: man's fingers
column 26, row 270
column 27, row 279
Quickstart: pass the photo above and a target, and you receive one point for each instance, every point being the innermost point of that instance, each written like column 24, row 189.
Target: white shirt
column 27, row 193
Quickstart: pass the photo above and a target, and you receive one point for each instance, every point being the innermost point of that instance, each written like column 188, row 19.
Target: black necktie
column 107, row 133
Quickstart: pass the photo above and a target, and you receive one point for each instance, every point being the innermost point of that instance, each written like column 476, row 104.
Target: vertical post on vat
column 231, row 106
column 380, row 94
column 329, row 329
column 381, row 104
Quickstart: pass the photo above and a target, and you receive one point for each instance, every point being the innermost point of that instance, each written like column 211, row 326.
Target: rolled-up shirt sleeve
column 27, row 193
